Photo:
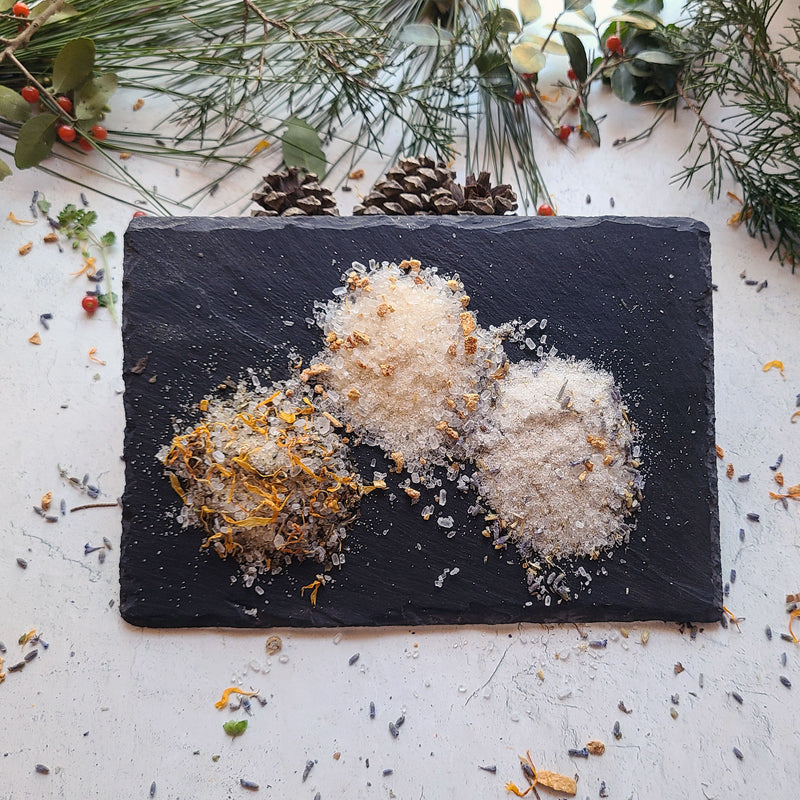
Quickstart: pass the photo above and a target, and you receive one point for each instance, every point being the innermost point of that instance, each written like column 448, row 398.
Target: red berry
column 30, row 93
column 571, row 74
column 66, row 133
column 90, row 304
column 20, row 10
column 99, row 132
column 519, row 97
column 614, row 45
column 139, row 214
column 65, row 103
column 564, row 132
column 85, row 145
column 545, row 210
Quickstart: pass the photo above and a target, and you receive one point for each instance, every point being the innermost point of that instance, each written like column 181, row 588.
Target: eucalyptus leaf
column 424, row 35
column 508, row 21
column 656, row 57
column 12, row 106
column 302, row 147
column 575, row 5
column 529, row 10
column 64, row 12
column 495, row 76
column 73, row 64
column 575, row 30
column 577, row 55
column 552, row 47
column 5, row 5
column 92, row 97
column 5, row 170
column 35, row 140
column 640, row 21
column 647, row 6
column 234, row 727
column 623, row 84
column 589, row 126
column 527, row 58
column 588, row 14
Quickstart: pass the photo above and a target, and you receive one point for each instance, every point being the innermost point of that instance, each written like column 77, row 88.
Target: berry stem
column 20, row 41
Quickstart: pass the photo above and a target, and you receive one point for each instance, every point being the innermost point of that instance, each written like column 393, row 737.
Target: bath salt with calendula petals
column 406, row 362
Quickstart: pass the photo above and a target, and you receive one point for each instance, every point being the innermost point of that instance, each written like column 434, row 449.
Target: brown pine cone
column 422, row 186
column 290, row 194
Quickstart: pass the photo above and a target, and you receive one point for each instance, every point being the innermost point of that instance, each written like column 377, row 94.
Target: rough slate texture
column 208, row 298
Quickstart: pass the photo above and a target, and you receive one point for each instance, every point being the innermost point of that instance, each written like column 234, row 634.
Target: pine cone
column 286, row 194
column 422, row 186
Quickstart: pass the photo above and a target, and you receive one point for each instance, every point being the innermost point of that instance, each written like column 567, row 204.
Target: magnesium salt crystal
column 558, row 472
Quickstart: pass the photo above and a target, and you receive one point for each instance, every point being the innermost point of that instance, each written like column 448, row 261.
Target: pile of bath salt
column 558, row 463
column 266, row 475
column 406, row 364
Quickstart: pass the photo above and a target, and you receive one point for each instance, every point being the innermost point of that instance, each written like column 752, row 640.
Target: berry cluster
column 66, row 132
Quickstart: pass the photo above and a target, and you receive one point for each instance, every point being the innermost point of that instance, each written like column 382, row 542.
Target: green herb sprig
column 76, row 225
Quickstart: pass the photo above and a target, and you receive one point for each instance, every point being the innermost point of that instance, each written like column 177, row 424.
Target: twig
column 95, row 505
column 23, row 38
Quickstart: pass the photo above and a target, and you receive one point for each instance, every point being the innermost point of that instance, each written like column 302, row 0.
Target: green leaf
column 106, row 300
column 424, row 35
column 656, row 57
column 641, row 21
column 92, row 98
column 73, row 64
column 623, row 84
column 508, row 21
column 575, row 5
column 235, row 727
column 495, row 75
column 563, row 27
column 589, row 126
column 529, row 10
column 527, row 58
column 302, row 147
column 5, row 170
column 5, row 5
column 108, row 239
column 577, row 55
column 552, row 46
column 64, row 12
column 35, row 140
column 12, row 106
column 43, row 204
column 654, row 7
column 588, row 14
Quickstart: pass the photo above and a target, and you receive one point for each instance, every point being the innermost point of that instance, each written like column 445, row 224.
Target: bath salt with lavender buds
column 557, row 462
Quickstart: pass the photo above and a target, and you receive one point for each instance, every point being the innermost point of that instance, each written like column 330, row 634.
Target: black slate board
column 208, row 298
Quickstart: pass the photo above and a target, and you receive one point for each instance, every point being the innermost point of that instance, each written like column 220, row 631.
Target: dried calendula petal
column 384, row 309
column 773, row 365
column 138, row 104
column 412, row 493
column 467, row 323
column 729, row 471
column 595, row 747
column 794, row 491
column 26, row 248
column 35, row 339
column 645, row 636
column 47, row 499
column 597, row 442
column 720, row 451
column 556, row 782
column 779, row 478
column 471, row 401
column 356, row 175
column 51, row 238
